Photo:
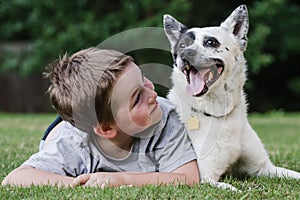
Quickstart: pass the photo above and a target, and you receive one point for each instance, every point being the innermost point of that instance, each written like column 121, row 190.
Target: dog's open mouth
column 199, row 80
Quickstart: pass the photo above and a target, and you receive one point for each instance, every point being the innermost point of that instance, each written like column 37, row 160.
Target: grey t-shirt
column 160, row 148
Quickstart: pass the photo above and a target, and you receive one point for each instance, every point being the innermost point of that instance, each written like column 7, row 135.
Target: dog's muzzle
column 199, row 79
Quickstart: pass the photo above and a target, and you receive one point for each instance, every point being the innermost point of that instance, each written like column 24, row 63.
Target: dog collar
column 195, row 110
column 207, row 114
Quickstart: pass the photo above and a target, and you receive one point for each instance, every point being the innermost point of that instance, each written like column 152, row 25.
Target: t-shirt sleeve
column 176, row 148
column 64, row 155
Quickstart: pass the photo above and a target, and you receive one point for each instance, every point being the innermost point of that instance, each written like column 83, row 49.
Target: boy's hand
column 99, row 179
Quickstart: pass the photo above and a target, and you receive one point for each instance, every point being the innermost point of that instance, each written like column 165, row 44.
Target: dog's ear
column 173, row 29
column 238, row 23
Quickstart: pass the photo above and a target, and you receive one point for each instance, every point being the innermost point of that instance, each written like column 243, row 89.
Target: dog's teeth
column 210, row 77
column 187, row 67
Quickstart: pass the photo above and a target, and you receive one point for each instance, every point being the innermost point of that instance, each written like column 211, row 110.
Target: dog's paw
column 220, row 185
column 223, row 185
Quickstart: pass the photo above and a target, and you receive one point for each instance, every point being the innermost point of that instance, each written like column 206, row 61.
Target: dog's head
column 203, row 55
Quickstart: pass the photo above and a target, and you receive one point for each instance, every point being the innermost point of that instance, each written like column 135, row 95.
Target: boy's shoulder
column 169, row 115
column 67, row 133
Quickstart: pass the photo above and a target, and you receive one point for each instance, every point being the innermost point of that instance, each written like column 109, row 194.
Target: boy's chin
column 148, row 131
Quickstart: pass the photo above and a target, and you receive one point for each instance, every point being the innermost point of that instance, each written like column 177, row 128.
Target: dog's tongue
column 196, row 84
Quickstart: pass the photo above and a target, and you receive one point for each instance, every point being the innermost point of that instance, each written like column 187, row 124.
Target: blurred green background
column 34, row 33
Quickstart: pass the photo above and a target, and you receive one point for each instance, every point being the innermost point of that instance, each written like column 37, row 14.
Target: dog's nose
column 188, row 54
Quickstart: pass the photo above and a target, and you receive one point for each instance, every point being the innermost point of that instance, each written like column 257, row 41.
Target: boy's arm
column 26, row 176
column 185, row 174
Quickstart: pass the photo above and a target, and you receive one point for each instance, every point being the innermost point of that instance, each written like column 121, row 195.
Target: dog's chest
column 200, row 123
column 214, row 134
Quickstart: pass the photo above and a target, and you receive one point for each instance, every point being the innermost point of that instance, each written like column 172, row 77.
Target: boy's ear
column 106, row 131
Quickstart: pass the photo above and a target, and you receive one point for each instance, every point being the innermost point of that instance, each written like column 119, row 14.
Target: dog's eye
column 211, row 42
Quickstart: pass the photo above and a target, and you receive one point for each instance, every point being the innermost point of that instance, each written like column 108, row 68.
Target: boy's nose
column 152, row 97
column 152, row 94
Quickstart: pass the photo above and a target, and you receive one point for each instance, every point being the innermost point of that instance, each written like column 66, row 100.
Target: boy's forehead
column 131, row 72
column 132, row 68
column 127, row 83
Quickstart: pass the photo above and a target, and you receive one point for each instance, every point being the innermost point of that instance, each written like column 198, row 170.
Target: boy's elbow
column 191, row 172
column 194, row 178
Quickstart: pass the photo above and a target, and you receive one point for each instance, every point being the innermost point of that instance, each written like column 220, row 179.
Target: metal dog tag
column 193, row 123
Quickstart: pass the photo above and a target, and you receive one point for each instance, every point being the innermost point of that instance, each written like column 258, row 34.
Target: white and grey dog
column 208, row 78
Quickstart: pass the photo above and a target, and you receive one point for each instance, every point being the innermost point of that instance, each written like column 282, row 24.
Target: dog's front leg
column 210, row 172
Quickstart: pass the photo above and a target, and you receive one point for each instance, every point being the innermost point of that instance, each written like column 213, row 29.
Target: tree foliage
column 50, row 28
column 273, row 51
column 53, row 27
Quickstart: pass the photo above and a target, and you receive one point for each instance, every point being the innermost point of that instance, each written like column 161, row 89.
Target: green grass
column 20, row 135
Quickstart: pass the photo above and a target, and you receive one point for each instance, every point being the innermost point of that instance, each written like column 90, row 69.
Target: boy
column 116, row 131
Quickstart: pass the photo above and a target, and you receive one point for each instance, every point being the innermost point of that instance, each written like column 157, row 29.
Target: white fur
column 224, row 141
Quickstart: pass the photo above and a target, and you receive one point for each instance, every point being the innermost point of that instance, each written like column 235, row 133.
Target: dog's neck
column 218, row 103
column 207, row 114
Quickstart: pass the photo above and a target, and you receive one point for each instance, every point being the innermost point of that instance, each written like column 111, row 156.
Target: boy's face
column 134, row 103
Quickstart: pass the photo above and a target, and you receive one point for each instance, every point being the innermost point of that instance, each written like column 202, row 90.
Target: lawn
column 280, row 132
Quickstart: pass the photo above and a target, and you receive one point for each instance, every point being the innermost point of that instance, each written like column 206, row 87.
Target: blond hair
column 81, row 86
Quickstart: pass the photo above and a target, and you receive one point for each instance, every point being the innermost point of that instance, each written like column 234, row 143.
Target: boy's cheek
column 131, row 122
column 141, row 119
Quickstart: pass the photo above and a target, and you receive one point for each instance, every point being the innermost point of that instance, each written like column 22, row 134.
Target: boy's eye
column 138, row 97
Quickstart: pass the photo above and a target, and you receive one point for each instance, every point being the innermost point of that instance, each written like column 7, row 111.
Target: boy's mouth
column 154, row 107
